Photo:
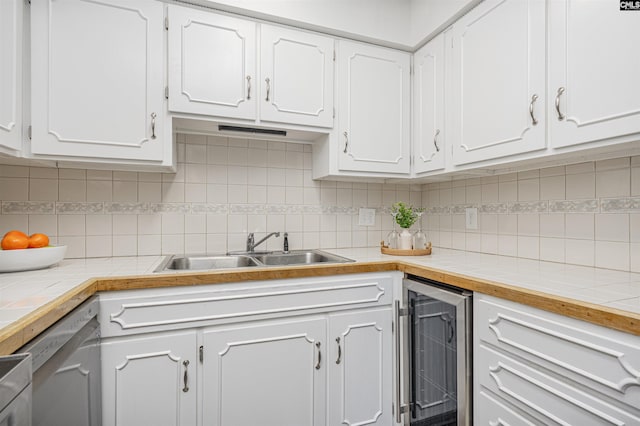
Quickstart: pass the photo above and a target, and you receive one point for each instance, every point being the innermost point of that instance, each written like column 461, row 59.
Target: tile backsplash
column 584, row 214
column 224, row 188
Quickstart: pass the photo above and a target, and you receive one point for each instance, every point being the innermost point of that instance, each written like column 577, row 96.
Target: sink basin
column 230, row 261
column 195, row 263
column 300, row 257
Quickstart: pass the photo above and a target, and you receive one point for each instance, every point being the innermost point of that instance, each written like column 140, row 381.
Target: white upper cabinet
column 594, row 89
column 296, row 77
column 10, row 75
column 373, row 109
column 498, row 81
column 429, row 131
column 213, row 72
column 212, row 64
column 98, row 80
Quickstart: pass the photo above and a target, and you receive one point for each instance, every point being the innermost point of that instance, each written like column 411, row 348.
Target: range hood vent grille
column 226, row 128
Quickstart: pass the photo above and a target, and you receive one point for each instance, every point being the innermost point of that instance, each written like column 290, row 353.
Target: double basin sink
column 247, row 260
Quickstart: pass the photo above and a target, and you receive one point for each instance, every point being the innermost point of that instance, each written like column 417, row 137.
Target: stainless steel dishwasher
column 66, row 370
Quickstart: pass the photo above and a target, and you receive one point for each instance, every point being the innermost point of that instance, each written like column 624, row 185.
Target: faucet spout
column 251, row 244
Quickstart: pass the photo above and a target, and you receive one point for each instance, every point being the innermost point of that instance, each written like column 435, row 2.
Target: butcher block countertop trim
column 20, row 332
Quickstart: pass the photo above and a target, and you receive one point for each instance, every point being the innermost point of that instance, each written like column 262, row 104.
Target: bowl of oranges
column 21, row 252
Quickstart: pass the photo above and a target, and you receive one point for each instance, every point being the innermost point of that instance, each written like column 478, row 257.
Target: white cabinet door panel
column 10, row 75
column 144, row 380
column 297, row 72
column 269, row 373
column 212, row 64
column 374, row 109
column 428, row 106
column 361, row 366
column 498, row 69
column 598, row 70
column 97, row 75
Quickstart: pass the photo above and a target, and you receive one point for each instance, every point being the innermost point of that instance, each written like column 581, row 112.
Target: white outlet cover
column 366, row 217
column 471, row 218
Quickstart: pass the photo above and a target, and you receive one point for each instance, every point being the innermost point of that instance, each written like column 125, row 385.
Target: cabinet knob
column 534, row 98
column 560, row 92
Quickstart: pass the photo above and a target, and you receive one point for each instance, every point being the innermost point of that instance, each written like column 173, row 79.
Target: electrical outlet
column 471, row 220
column 366, row 217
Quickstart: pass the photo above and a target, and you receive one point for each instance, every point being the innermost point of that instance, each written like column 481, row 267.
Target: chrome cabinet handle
column 153, row 125
column 248, row 87
column 339, row 351
column 560, row 92
column 346, row 142
column 268, row 87
column 435, row 140
column 534, row 98
column 319, row 356
column 186, row 376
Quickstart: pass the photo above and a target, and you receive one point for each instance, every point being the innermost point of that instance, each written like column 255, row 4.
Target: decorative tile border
column 620, row 205
column 574, row 206
column 28, row 207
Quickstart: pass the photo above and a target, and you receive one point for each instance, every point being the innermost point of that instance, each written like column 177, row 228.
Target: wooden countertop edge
column 616, row 319
column 22, row 331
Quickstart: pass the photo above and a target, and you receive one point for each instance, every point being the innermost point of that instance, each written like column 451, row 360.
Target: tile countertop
column 30, row 301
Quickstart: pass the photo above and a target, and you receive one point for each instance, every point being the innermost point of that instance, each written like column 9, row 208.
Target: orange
column 38, row 240
column 15, row 240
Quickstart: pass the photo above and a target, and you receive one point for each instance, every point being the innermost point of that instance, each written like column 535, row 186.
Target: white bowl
column 28, row 259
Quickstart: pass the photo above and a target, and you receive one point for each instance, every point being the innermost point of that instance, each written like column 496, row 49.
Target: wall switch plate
column 471, row 219
column 366, row 217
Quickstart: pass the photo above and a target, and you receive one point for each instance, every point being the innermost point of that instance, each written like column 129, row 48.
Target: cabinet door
column 296, row 75
column 596, row 71
column 266, row 373
column 498, row 81
column 97, row 79
column 212, row 64
column 360, row 368
column 373, row 109
column 10, row 75
column 428, row 106
column 149, row 380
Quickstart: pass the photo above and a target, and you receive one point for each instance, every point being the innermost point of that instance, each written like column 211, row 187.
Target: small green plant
column 405, row 215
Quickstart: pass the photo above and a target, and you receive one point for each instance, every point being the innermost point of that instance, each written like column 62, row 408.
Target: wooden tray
column 397, row 252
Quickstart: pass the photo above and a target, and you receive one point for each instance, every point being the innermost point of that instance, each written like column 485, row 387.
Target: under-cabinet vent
column 251, row 130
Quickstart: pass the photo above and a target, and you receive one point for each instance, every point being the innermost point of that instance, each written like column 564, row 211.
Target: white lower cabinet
column 535, row 367
column 150, row 380
column 300, row 352
column 360, row 368
column 267, row 373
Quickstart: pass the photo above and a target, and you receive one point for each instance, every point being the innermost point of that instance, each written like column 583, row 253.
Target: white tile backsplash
column 585, row 214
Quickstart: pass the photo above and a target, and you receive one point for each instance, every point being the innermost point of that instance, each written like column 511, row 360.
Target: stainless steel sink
column 300, row 257
column 231, row 261
column 196, row 263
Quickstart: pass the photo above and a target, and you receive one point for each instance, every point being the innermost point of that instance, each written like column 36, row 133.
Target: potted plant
column 405, row 216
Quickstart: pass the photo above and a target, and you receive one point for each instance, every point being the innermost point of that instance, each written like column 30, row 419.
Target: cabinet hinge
column 166, row 92
column 201, row 353
column 403, row 312
column 166, row 23
column 29, row 130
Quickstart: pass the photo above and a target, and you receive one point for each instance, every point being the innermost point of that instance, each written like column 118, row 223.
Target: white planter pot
column 405, row 241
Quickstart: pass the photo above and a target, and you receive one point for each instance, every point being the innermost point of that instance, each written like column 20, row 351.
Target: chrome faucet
column 251, row 244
